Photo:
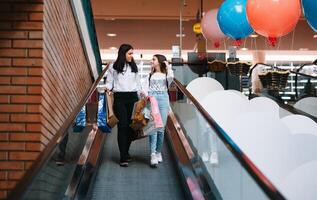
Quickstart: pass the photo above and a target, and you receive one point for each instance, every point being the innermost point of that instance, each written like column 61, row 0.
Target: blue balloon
column 232, row 19
column 310, row 12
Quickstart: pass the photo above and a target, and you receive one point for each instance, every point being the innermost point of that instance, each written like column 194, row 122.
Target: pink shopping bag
column 155, row 112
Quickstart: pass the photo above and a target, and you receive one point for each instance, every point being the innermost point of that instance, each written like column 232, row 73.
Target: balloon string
column 293, row 39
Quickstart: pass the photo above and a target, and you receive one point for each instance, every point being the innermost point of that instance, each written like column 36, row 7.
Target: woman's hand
column 142, row 95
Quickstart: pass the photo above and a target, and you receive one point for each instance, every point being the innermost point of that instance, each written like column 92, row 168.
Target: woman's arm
column 109, row 78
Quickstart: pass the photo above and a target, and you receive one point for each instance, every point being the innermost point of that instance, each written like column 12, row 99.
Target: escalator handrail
column 45, row 155
column 266, row 185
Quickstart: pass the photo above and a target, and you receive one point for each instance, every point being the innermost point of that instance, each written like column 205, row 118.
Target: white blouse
column 127, row 81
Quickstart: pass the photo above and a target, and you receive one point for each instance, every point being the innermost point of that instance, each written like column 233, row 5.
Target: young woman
column 159, row 80
column 124, row 81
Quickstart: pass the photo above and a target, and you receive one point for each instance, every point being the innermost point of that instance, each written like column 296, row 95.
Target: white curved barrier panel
column 238, row 93
column 224, row 106
column 298, row 124
column 201, row 87
column 308, row 105
column 301, row 183
column 264, row 105
column 264, row 140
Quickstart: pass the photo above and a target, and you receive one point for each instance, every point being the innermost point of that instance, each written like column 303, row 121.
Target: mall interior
column 242, row 120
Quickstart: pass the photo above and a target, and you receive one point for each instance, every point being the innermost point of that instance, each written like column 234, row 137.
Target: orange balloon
column 273, row 18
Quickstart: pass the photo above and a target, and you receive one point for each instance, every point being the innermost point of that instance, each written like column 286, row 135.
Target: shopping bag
column 102, row 114
column 80, row 121
column 155, row 112
column 138, row 120
column 112, row 120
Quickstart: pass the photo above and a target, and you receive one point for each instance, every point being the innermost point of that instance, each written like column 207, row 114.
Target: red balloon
column 273, row 18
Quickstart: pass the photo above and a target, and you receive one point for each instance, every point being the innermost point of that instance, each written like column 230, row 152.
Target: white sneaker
column 214, row 158
column 154, row 161
column 205, row 157
column 159, row 157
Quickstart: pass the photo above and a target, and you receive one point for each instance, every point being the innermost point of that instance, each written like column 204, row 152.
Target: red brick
column 11, row 165
column 4, row 117
column 5, row 44
column 13, row 34
column 35, row 53
column 34, row 90
column 3, row 155
column 25, row 137
column 11, row 146
column 5, row 80
column 25, row 99
column 28, row 7
column 15, row 175
column 3, row 175
column 28, row 165
column 27, row 43
column 9, row 71
column 5, row 61
column 4, row 136
column 34, row 147
column 5, row 25
column 12, row 108
column 12, row 127
column 26, row 80
column 27, row 62
column 25, row 118
column 36, row 35
column 35, row 71
column 3, row 194
column 13, row 16
column 33, row 128
column 23, row 155
column 5, row 185
column 36, row 16
column 12, row 89
column 4, row 99
column 27, row 25
column 13, row 53
column 33, row 109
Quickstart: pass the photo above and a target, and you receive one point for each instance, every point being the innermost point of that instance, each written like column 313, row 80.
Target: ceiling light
column 254, row 35
column 315, row 36
column 111, row 34
column 113, row 48
column 244, row 49
column 183, row 35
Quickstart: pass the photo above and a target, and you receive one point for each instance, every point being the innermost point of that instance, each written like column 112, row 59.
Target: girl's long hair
column 161, row 59
column 121, row 59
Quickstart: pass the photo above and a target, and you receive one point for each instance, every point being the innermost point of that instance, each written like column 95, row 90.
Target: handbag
column 112, row 120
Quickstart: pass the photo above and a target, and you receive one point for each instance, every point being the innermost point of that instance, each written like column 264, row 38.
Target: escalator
column 184, row 174
column 138, row 181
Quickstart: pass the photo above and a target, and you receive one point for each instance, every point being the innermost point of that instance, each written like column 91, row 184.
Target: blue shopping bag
column 80, row 121
column 102, row 114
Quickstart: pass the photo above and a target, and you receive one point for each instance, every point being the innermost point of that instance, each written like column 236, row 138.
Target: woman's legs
column 123, row 106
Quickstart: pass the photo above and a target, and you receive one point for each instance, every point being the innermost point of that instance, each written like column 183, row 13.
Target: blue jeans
column 157, row 138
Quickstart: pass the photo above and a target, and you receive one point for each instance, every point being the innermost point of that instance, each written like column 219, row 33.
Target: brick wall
column 43, row 76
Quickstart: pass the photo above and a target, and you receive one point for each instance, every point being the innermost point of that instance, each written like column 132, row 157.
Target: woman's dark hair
column 121, row 59
column 161, row 59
